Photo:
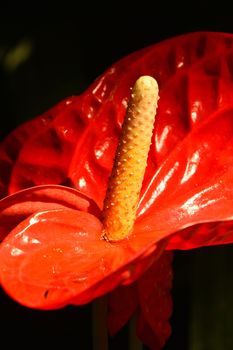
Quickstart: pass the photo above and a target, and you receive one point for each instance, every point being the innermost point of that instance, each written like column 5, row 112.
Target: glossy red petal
column 214, row 233
column 11, row 146
column 17, row 207
column 194, row 185
column 80, row 142
column 39, row 259
column 57, row 257
column 69, row 144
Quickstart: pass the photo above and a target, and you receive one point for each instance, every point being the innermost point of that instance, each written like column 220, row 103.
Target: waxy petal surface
column 58, row 256
column 194, row 184
column 17, row 207
column 77, row 148
column 53, row 253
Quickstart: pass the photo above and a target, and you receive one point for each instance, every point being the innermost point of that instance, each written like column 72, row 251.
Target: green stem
column 134, row 342
column 99, row 326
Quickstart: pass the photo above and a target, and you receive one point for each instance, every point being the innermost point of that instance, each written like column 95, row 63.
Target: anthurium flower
column 56, row 170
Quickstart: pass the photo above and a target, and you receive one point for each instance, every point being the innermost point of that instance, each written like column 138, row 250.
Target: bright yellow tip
column 125, row 183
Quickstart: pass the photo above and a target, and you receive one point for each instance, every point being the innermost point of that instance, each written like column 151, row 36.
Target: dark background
column 48, row 52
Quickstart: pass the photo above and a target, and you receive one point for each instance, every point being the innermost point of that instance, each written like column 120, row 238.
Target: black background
column 70, row 45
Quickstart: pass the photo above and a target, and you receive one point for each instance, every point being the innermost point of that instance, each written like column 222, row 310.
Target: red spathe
column 53, row 253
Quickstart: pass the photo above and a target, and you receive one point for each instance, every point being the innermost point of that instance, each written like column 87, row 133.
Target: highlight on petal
column 15, row 208
column 213, row 233
column 38, row 258
column 57, row 257
column 78, row 145
column 194, row 184
column 12, row 146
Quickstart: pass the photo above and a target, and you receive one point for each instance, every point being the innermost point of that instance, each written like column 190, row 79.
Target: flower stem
column 134, row 342
column 99, row 326
column 125, row 183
